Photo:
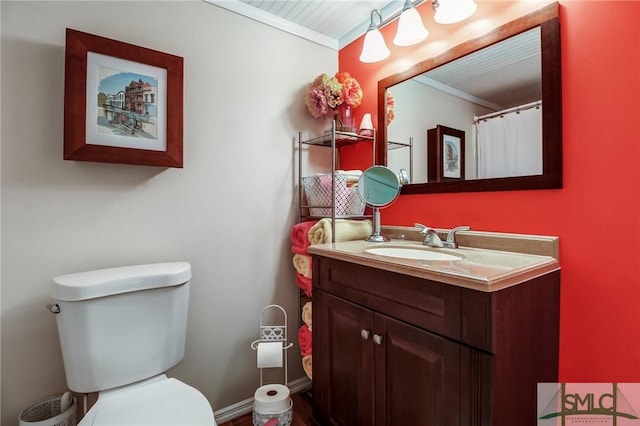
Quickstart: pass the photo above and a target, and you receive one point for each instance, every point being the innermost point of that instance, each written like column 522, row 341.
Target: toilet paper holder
column 273, row 333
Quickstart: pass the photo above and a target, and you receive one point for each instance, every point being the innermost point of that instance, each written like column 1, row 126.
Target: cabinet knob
column 377, row 339
column 365, row 334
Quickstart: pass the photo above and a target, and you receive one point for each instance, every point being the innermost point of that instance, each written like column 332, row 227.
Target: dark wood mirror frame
column 548, row 20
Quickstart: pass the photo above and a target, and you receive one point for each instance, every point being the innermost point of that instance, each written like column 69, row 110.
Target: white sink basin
column 412, row 253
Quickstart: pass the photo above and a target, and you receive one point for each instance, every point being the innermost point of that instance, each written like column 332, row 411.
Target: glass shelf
column 342, row 139
column 396, row 145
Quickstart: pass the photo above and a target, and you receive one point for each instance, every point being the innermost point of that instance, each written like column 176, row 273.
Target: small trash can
column 46, row 412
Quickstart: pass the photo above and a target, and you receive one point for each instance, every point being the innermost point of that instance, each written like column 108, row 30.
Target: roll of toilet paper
column 269, row 354
column 271, row 399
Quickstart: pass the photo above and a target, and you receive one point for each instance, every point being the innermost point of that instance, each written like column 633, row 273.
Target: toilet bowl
column 120, row 330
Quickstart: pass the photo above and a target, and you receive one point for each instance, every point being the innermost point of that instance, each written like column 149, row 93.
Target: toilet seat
column 159, row 401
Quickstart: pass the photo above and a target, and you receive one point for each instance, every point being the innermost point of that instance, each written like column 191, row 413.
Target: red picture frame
column 141, row 123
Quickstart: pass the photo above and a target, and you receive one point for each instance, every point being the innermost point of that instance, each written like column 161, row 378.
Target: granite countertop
column 479, row 268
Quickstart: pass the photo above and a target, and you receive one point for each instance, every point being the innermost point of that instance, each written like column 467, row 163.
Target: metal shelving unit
column 391, row 145
column 333, row 139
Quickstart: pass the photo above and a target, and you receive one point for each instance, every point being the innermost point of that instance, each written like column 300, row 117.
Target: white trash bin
column 46, row 412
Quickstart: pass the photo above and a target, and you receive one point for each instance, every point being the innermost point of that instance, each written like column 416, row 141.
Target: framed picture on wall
column 122, row 103
column 445, row 154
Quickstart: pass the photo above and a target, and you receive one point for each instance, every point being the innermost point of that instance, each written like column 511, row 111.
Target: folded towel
column 300, row 237
column 307, row 366
column 351, row 176
column 346, row 230
column 304, row 340
column 302, row 264
column 304, row 283
column 306, row 314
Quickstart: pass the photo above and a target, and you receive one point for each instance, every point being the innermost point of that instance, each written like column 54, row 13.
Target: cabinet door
column 417, row 376
column 342, row 362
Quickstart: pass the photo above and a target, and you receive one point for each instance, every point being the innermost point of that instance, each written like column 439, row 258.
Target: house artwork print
column 127, row 104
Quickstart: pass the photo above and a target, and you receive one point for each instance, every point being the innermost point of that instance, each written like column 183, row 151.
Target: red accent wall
column 596, row 214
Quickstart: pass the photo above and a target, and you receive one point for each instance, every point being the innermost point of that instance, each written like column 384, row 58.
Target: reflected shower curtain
column 510, row 145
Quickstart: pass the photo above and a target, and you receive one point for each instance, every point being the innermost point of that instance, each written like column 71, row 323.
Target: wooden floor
column 301, row 412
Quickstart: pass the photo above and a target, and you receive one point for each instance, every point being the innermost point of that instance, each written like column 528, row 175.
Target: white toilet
column 120, row 330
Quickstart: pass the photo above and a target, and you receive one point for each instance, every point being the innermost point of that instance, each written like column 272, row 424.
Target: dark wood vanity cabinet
column 391, row 349
column 370, row 361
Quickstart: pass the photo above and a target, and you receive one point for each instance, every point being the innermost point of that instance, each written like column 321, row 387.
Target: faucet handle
column 430, row 235
column 421, row 227
column 451, row 236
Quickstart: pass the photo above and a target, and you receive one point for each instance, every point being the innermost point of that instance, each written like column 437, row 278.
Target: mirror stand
column 376, row 236
column 378, row 186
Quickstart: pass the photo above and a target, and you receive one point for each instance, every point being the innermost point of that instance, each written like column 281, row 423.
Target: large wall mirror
column 484, row 116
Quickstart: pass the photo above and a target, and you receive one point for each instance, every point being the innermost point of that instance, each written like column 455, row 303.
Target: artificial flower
column 391, row 105
column 325, row 94
column 351, row 90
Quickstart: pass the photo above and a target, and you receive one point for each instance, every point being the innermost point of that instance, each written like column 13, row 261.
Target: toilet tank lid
column 107, row 282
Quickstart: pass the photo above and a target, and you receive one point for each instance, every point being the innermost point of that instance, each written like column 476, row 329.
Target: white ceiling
column 336, row 23
column 331, row 23
column 501, row 76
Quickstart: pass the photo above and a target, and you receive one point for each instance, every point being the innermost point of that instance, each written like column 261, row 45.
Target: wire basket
column 46, row 412
column 284, row 418
column 317, row 189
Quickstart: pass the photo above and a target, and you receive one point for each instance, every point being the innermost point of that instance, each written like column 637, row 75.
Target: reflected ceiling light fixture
column 411, row 30
column 452, row 11
column 374, row 48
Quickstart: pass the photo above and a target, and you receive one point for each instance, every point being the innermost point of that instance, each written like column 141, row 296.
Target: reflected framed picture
column 122, row 103
column 445, row 154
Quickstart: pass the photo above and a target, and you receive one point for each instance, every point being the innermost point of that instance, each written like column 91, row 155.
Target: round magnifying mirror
column 378, row 186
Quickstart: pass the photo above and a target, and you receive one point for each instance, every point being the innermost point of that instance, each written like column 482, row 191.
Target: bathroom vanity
column 400, row 341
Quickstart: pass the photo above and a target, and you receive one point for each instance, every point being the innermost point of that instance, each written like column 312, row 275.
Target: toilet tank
column 121, row 325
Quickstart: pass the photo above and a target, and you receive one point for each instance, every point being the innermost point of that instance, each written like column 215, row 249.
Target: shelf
column 396, row 145
column 393, row 145
column 332, row 139
column 318, row 217
column 342, row 139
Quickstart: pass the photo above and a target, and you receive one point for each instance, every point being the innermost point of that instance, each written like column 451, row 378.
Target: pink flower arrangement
column 325, row 94
column 391, row 105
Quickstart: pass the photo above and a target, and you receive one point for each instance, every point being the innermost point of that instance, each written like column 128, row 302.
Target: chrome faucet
column 451, row 236
column 430, row 235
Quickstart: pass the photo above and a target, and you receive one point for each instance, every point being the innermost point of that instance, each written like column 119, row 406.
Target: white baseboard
column 243, row 407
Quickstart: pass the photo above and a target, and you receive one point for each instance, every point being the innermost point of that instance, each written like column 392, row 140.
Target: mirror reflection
column 378, row 186
column 449, row 119
column 481, row 113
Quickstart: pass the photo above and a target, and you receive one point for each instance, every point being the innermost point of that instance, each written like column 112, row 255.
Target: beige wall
column 228, row 212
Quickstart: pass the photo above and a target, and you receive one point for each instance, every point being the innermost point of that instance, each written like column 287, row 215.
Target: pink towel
column 300, row 236
column 272, row 422
column 304, row 283
column 304, row 340
column 325, row 180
